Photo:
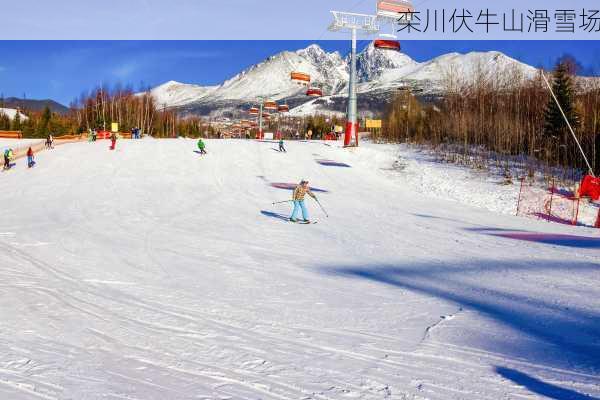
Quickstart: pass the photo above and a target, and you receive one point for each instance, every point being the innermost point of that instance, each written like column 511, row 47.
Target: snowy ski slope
column 151, row 273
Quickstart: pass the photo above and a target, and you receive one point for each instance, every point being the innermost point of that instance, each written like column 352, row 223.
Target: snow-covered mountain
column 174, row 94
column 380, row 72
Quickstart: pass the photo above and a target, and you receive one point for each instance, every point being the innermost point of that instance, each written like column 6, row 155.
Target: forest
column 502, row 119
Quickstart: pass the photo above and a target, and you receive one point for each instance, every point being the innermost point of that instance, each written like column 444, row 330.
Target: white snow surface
column 153, row 273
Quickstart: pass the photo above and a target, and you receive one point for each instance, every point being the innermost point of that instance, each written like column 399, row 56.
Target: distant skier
column 201, row 146
column 49, row 141
column 113, row 141
column 298, row 197
column 30, row 160
column 8, row 154
column 94, row 135
column 281, row 147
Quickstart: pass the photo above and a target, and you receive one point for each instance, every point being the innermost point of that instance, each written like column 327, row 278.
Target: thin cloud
column 125, row 70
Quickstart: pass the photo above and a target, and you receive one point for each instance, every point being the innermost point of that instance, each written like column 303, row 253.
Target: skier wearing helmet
column 298, row 197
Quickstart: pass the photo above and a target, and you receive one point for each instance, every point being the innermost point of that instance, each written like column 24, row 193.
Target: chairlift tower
column 353, row 23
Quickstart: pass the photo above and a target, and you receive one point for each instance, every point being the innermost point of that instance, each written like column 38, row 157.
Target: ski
column 303, row 223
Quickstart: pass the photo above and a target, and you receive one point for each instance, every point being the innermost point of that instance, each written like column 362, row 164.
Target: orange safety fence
column 11, row 135
column 69, row 137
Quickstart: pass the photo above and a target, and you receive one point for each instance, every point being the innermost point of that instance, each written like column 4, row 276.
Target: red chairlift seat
column 314, row 92
column 270, row 105
column 253, row 111
column 283, row 108
column 387, row 44
column 395, row 9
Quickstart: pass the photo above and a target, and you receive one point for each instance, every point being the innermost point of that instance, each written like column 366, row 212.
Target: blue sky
column 232, row 19
column 61, row 70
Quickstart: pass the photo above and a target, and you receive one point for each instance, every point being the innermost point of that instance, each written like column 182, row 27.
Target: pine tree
column 556, row 130
column 42, row 128
column 16, row 124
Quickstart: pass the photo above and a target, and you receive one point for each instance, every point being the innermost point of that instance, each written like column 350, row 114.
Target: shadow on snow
column 542, row 388
column 566, row 337
column 271, row 214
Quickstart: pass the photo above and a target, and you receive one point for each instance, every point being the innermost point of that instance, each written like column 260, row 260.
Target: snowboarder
column 7, row 157
column 298, row 198
column 201, row 146
column 49, row 141
column 94, row 135
column 113, row 141
column 30, row 160
column 281, row 147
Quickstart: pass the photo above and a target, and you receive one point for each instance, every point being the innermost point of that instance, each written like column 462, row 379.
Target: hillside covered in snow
column 11, row 113
column 153, row 273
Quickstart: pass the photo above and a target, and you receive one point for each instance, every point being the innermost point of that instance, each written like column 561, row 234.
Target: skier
column 7, row 157
column 298, row 197
column 281, row 147
column 94, row 135
column 201, row 146
column 49, row 142
column 113, row 141
column 30, row 161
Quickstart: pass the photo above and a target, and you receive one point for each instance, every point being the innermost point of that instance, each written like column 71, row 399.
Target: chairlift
column 399, row 10
column 314, row 92
column 283, row 108
column 270, row 105
column 253, row 111
column 300, row 78
column 386, row 43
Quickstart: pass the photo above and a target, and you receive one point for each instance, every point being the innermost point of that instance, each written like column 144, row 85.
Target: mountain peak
column 373, row 62
column 313, row 48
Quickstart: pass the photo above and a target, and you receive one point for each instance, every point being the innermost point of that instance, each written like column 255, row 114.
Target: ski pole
column 281, row 202
column 320, row 205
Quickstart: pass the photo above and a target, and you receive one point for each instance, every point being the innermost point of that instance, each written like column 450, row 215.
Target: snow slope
column 173, row 94
column 150, row 273
column 12, row 112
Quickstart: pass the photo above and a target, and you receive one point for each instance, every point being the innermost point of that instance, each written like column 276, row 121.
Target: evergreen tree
column 555, row 125
column 556, row 130
column 27, row 128
column 16, row 124
column 42, row 128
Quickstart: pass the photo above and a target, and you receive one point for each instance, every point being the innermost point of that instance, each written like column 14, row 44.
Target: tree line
column 503, row 116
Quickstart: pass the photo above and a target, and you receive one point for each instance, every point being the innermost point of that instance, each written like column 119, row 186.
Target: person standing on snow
column 7, row 156
column 298, row 198
column 201, row 146
column 281, row 147
column 30, row 161
column 113, row 141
